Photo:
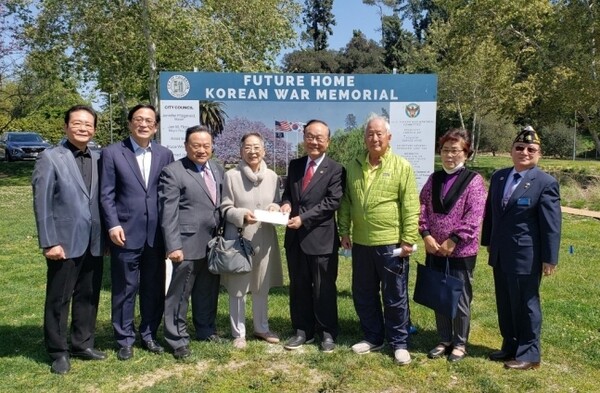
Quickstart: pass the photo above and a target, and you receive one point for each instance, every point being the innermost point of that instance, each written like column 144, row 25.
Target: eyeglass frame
column 530, row 149
column 452, row 152
column 142, row 120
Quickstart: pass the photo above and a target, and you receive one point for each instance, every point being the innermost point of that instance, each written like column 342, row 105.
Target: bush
column 557, row 140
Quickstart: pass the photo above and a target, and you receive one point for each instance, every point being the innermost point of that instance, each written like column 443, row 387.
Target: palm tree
column 213, row 116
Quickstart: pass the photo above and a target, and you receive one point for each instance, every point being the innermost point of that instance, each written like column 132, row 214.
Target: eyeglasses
column 452, row 152
column 86, row 126
column 318, row 138
column 530, row 150
column 141, row 120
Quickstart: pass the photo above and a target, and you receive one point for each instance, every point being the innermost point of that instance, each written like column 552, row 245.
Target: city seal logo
column 412, row 110
column 178, row 86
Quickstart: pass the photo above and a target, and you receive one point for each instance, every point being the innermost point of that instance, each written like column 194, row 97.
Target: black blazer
column 316, row 206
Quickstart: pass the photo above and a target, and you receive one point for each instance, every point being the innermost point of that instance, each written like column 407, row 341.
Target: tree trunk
column 590, row 126
column 151, row 48
column 473, row 137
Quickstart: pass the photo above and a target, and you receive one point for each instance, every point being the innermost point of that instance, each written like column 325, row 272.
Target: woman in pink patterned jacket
column 452, row 207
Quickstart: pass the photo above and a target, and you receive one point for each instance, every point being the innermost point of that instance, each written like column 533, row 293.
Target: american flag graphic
column 285, row 126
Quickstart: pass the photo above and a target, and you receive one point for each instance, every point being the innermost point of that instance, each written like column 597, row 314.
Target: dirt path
column 581, row 212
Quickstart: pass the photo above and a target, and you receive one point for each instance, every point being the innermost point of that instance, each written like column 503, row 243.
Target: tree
column 557, row 140
column 346, row 146
column 309, row 61
column 350, row 122
column 213, row 116
column 362, row 56
column 399, row 44
column 227, row 144
column 497, row 134
column 120, row 45
column 318, row 19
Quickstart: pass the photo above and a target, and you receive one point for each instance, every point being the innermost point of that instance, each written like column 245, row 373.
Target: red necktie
column 309, row 174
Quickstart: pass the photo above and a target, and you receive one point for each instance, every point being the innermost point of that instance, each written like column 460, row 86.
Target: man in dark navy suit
column 130, row 170
column 521, row 229
column 312, row 194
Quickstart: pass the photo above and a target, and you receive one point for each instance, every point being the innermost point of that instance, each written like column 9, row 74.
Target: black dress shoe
column 125, row 353
column 213, row 338
column 457, row 354
column 297, row 341
column 61, row 366
column 500, row 356
column 327, row 345
column 521, row 365
column 182, row 352
column 89, row 354
column 440, row 350
column 153, row 346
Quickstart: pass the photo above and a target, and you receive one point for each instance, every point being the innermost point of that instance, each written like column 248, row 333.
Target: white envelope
column 277, row 218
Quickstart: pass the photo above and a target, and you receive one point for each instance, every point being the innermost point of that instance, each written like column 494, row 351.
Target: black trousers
column 131, row 271
column 313, row 291
column 191, row 278
column 72, row 282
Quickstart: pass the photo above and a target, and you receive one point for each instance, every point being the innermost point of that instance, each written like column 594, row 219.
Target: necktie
column 308, row 175
column 210, row 184
column 511, row 189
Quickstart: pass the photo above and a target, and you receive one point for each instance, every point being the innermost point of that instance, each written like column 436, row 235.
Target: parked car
column 21, row 145
column 92, row 144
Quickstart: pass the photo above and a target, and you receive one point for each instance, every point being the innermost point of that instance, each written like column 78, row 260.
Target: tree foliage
column 213, row 116
column 121, row 45
column 318, row 20
column 346, row 146
column 360, row 56
column 228, row 143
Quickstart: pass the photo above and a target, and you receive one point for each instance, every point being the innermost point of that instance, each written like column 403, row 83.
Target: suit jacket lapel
column 297, row 187
column 129, row 155
column 320, row 172
column 192, row 170
column 522, row 188
column 499, row 193
column 155, row 168
column 69, row 160
column 95, row 159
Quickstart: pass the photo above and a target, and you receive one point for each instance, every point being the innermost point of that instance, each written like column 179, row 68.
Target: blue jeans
column 377, row 276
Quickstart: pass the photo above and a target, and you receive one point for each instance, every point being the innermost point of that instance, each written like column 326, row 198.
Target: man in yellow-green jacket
column 379, row 213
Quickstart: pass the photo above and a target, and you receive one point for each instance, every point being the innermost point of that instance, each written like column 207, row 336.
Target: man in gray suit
column 189, row 195
column 67, row 215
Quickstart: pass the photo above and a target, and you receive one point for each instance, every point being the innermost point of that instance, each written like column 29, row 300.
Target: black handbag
column 229, row 256
column 438, row 290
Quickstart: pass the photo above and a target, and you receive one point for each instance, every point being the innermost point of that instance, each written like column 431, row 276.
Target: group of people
column 148, row 208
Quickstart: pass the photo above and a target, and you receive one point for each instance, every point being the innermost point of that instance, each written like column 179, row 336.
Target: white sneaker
column 365, row 347
column 402, row 357
column 239, row 343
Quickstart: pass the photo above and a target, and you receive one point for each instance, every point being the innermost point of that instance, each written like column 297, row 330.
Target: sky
column 354, row 15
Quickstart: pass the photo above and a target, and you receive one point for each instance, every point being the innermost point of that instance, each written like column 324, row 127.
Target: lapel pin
column 527, row 185
column 502, row 178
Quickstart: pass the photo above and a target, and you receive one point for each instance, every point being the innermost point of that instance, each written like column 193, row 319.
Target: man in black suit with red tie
column 312, row 194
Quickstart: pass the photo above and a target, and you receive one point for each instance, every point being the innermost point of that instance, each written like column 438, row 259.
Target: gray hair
column 249, row 134
column 374, row 116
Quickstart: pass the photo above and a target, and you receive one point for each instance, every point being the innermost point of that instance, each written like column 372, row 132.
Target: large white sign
column 282, row 103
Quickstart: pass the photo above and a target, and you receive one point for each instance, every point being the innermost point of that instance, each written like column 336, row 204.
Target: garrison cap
column 528, row 135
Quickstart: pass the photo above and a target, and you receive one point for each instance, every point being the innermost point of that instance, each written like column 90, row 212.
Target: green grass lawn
column 570, row 340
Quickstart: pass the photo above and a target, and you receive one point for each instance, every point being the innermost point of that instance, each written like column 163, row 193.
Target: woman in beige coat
column 249, row 186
